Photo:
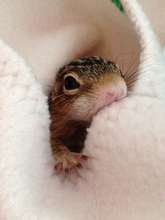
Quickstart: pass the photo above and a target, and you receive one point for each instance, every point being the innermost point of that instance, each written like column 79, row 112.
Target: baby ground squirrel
column 81, row 89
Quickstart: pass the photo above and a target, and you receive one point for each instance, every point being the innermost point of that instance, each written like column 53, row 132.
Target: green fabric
column 118, row 4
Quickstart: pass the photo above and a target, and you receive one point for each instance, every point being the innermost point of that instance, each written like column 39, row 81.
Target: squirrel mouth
column 104, row 102
column 112, row 91
column 108, row 98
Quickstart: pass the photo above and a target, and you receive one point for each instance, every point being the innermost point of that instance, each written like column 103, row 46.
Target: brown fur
column 68, row 134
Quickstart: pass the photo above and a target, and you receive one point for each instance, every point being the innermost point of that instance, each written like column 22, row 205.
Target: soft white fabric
column 124, row 180
column 50, row 33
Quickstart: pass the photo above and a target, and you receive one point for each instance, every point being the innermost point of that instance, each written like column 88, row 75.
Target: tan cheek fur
column 81, row 108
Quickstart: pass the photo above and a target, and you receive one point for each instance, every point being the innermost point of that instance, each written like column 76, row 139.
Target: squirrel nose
column 109, row 95
column 108, row 98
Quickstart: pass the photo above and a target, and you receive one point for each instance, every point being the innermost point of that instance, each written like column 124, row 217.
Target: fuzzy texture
column 125, row 179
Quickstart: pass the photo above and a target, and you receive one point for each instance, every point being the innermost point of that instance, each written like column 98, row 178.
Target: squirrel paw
column 69, row 161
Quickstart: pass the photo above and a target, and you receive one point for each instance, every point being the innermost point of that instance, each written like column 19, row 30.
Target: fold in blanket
column 125, row 180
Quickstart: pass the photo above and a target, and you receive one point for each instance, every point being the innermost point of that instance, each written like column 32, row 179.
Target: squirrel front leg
column 65, row 159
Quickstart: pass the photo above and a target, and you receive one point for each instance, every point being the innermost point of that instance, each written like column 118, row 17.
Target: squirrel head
column 85, row 86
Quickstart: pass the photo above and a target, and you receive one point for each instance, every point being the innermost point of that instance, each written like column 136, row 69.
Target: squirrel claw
column 69, row 162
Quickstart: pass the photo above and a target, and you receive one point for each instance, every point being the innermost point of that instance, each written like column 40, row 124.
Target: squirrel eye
column 71, row 83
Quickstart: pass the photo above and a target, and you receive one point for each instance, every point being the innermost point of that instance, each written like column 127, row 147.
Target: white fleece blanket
column 126, row 178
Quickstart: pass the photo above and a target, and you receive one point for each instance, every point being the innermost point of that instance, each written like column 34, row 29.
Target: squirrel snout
column 111, row 93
